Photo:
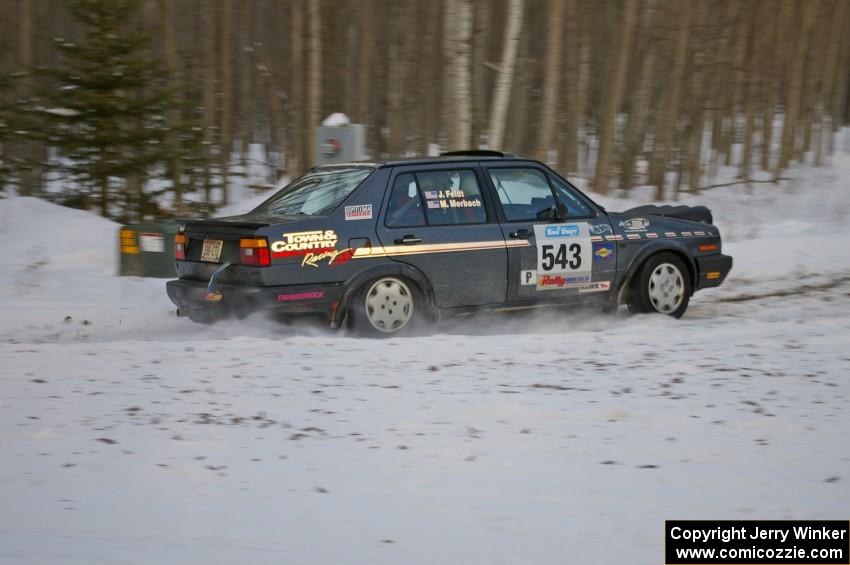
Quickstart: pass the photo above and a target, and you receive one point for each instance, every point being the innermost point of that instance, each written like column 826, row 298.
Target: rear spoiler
column 692, row 213
column 225, row 224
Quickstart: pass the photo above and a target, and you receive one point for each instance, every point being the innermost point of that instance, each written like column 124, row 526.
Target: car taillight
column 180, row 247
column 254, row 252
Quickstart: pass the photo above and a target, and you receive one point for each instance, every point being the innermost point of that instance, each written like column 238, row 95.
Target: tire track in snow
column 792, row 291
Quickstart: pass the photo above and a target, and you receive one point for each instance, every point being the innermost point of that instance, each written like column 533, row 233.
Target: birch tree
column 459, row 126
column 499, row 111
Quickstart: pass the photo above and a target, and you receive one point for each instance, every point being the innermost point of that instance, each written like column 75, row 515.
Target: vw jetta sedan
column 379, row 246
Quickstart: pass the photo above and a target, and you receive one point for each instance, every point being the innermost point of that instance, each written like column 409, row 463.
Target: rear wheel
column 386, row 306
column 662, row 286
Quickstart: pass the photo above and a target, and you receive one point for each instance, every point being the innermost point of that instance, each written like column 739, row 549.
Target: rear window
column 317, row 193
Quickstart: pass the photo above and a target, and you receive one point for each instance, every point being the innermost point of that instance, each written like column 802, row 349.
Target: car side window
column 452, row 197
column 524, row 194
column 576, row 208
column 405, row 205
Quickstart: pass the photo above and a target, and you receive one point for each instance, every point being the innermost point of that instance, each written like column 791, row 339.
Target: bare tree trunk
column 583, row 89
column 499, row 110
column 366, row 50
column 30, row 177
column 521, row 97
column 448, row 110
column 814, row 62
column 636, row 121
column 244, row 73
column 459, row 125
column 551, row 78
column 792, row 110
column 295, row 158
column 830, row 71
column 225, row 132
column 750, row 92
column 276, row 120
column 839, row 93
column 395, row 107
column 720, row 100
column 207, row 17
column 772, row 82
column 314, row 81
column 691, row 165
column 568, row 148
column 26, row 45
column 413, row 97
column 481, row 34
column 733, row 103
column 614, row 98
column 167, row 26
column 671, row 118
column 103, row 180
column 433, row 71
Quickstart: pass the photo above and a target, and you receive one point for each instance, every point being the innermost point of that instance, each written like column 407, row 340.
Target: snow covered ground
column 131, row 436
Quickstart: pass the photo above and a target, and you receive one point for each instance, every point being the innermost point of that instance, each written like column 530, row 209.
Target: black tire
column 387, row 306
column 663, row 285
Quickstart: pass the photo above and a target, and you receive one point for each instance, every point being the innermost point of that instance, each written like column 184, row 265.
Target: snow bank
column 42, row 236
column 60, row 262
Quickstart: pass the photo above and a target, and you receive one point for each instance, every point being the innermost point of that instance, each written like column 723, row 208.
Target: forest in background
column 619, row 92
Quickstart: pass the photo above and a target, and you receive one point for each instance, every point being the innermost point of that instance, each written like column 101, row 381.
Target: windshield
column 315, row 194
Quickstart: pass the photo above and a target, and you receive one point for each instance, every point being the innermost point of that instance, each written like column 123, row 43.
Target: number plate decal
column 211, row 251
column 564, row 255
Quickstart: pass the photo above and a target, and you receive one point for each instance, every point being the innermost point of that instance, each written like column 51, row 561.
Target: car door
column 437, row 219
column 556, row 238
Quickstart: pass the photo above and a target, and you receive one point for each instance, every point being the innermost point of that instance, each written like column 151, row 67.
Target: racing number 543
column 560, row 257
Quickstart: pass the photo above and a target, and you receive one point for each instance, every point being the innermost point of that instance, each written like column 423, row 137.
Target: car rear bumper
column 712, row 270
column 240, row 300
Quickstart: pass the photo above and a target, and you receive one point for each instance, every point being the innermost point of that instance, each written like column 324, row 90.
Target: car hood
column 628, row 221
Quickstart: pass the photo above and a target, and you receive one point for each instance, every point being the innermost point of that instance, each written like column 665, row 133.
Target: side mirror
column 561, row 211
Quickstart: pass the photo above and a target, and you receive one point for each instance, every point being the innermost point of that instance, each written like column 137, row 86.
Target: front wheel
column 662, row 286
column 386, row 306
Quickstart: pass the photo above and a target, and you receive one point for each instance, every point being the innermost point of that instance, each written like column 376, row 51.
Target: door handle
column 408, row 239
column 522, row 233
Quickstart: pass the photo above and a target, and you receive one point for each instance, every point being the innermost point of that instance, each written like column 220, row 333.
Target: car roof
column 450, row 157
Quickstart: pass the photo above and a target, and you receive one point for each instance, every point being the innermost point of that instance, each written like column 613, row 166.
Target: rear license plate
column 212, row 250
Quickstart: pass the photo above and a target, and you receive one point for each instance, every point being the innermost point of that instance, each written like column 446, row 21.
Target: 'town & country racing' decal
column 564, row 255
column 315, row 246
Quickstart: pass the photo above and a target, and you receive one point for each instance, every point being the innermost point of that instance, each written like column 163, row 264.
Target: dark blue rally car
column 378, row 246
